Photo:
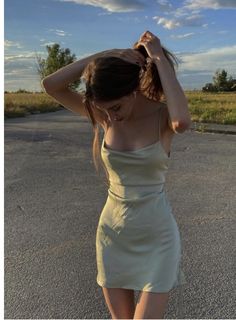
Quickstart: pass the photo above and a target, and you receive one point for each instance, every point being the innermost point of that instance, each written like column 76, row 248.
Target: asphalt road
column 53, row 199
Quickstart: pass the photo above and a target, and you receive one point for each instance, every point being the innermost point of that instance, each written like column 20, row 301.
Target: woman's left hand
column 151, row 43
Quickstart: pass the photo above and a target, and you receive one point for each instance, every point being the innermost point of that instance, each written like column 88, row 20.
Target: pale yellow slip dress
column 138, row 244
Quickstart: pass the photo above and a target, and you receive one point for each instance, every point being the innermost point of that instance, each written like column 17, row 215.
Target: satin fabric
column 138, row 244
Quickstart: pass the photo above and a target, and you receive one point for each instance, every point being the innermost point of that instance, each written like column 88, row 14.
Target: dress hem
column 154, row 289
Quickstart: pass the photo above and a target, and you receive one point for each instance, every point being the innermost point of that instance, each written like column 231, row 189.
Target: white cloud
column 188, row 21
column 20, row 71
column 47, row 44
column 164, row 5
column 192, row 21
column 188, row 14
column 8, row 44
column 198, row 68
column 210, row 60
column 22, row 56
column 210, row 4
column 196, row 74
column 21, row 63
column 167, row 23
column 112, row 5
column 60, row 33
column 16, row 72
column 180, row 36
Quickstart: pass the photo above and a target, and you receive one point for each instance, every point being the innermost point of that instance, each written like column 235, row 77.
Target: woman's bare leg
column 151, row 305
column 120, row 302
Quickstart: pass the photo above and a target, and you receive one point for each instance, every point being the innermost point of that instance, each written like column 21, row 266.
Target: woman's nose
column 111, row 115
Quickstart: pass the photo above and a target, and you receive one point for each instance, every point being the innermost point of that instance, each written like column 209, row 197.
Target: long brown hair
column 110, row 78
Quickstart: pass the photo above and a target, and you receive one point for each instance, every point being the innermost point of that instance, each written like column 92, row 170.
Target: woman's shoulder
column 165, row 119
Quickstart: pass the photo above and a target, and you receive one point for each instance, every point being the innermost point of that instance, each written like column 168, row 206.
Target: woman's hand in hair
column 151, row 43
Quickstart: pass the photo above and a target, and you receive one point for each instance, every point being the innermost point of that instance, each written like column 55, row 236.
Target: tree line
column 221, row 82
column 58, row 58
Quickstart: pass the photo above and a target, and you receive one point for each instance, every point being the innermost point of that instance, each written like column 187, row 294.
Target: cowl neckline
column 136, row 151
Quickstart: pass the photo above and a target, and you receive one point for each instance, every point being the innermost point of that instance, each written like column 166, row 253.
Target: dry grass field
column 212, row 107
column 204, row 107
column 21, row 104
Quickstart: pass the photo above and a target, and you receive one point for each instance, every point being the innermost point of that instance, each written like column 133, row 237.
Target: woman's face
column 118, row 110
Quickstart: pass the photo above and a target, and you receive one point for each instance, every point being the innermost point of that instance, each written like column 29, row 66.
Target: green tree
column 220, row 80
column 22, row 91
column 209, row 87
column 232, row 84
column 56, row 59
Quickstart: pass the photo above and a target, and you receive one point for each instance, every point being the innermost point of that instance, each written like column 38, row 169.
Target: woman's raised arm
column 60, row 79
column 56, row 85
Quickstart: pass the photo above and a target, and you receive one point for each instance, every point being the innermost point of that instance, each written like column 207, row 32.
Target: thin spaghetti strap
column 159, row 125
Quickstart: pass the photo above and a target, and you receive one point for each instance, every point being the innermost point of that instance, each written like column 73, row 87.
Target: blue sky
column 201, row 33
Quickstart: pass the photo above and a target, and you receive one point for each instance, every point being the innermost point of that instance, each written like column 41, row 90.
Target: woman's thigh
column 151, row 305
column 120, row 302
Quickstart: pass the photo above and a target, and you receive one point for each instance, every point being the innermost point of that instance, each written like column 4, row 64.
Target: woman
column 138, row 243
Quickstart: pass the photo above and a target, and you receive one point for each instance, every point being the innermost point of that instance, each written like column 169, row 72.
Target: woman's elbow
column 182, row 126
column 45, row 84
